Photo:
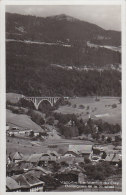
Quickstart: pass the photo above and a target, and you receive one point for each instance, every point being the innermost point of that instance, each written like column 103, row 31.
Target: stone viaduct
column 37, row 100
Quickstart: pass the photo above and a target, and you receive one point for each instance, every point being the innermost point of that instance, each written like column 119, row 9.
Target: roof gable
column 18, row 156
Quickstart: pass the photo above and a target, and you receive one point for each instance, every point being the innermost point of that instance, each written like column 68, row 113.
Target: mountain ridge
column 59, row 27
column 63, row 17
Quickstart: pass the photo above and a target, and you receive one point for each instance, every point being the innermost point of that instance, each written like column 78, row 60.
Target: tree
column 64, row 164
column 87, row 160
column 109, row 140
column 100, row 171
column 50, row 120
column 114, row 105
column 104, row 155
column 55, row 167
column 103, row 137
column 31, row 134
column 117, row 138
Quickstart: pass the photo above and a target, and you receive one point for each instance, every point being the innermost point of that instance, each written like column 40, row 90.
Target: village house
column 28, row 182
column 113, row 159
column 24, row 165
column 22, row 182
column 54, row 154
column 14, row 157
column 35, row 184
column 34, row 158
column 17, row 131
column 38, row 171
column 47, row 159
column 43, row 159
column 26, row 132
column 84, row 150
column 17, row 157
column 81, row 178
column 70, row 161
column 12, row 132
column 67, row 161
column 12, row 185
column 70, row 173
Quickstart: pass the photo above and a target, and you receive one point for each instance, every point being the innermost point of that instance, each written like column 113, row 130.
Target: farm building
column 35, row 184
column 12, row 185
column 21, row 180
column 28, row 182
column 84, row 150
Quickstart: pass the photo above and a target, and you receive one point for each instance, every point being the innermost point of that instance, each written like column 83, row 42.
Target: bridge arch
column 43, row 100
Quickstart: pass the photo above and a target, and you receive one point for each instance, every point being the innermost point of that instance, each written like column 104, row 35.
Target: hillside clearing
column 22, row 121
column 84, row 107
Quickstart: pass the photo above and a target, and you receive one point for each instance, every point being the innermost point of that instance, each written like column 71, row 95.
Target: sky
column 105, row 16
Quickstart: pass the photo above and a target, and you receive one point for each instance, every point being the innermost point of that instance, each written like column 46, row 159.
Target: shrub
column 37, row 118
column 87, row 160
column 114, row 106
column 81, row 106
column 109, row 139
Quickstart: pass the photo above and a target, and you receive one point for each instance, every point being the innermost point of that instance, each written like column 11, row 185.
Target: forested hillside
column 46, row 80
column 29, row 69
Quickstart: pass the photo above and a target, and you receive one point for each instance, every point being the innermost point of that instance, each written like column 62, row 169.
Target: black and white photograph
column 63, row 71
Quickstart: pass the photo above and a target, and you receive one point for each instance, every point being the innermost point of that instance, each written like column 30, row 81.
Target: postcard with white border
column 63, row 93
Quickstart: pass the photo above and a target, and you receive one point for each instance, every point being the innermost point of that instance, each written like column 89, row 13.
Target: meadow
column 106, row 108
column 27, row 146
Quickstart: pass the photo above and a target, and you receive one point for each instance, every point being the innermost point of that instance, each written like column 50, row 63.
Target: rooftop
column 32, row 180
column 21, row 180
column 113, row 157
column 12, row 184
column 81, row 148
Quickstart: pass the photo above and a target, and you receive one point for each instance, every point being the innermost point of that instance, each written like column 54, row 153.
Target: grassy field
column 13, row 97
column 102, row 109
column 29, row 147
column 22, row 121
